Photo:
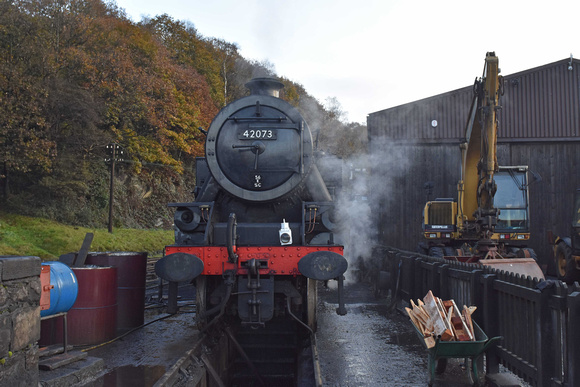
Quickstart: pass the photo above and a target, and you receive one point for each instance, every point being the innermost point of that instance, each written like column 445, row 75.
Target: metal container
column 131, row 273
column 93, row 318
column 64, row 291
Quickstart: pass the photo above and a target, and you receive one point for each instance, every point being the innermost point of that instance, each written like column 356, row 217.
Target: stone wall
column 19, row 320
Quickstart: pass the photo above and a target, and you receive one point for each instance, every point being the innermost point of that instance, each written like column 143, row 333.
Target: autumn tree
column 25, row 144
column 76, row 75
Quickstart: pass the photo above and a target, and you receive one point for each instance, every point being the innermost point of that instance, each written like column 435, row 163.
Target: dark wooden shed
column 417, row 143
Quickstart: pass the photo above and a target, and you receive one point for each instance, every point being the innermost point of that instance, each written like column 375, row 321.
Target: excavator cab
column 511, row 198
column 512, row 231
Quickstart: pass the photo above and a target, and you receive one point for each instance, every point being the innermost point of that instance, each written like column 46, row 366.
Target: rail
column 539, row 320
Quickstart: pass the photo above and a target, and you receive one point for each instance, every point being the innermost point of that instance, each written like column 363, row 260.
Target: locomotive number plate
column 258, row 134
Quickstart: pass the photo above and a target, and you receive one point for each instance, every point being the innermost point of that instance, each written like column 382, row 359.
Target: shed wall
column 540, row 104
column 400, row 205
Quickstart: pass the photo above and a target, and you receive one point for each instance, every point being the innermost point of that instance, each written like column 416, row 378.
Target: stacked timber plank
column 435, row 318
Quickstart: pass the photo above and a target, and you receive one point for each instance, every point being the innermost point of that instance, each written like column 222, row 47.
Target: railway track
column 283, row 353
column 241, row 356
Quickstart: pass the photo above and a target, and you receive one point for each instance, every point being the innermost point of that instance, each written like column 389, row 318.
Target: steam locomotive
column 261, row 231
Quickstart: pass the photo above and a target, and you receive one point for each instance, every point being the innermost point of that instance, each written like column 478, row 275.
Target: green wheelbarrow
column 468, row 350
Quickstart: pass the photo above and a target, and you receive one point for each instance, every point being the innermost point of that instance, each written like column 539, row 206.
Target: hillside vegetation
column 25, row 236
column 77, row 76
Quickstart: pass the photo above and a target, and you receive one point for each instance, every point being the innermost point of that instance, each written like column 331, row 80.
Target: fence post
column 418, row 289
column 412, row 264
column 444, row 282
column 475, row 293
column 545, row 338
column 435, row 283
column 405, row 271
column 396, row 269
column 559, row 312
column 490, row 320
column 573, row 338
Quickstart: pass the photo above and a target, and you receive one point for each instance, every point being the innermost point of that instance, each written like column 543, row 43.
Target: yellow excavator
column 489, row 221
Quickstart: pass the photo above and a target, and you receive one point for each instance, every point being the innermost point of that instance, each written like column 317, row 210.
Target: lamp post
column 115, row 153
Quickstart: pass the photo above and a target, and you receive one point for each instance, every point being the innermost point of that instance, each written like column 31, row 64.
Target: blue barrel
column 65, row 289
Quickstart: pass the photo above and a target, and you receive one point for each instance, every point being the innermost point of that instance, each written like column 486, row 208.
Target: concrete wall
column 19, row 320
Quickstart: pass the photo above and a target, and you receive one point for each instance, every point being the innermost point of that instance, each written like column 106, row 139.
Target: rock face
column 19, row 320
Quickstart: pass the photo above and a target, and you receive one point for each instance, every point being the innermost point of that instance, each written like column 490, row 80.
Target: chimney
column 265, row 86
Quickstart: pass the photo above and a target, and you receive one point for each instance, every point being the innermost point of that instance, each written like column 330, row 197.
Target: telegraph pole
column 114, row 150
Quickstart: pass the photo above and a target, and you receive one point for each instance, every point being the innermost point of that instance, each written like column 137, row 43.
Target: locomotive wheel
column 205, row 287
column 565, row 264
column 200, row 301
column 312, row 301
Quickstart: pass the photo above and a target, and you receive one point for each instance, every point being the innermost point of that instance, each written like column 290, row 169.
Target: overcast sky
column 375, row 54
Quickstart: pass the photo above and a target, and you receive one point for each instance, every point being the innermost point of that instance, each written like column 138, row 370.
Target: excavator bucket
column 523, row 266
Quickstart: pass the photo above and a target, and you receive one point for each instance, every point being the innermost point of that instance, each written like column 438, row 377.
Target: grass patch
column 24, row 236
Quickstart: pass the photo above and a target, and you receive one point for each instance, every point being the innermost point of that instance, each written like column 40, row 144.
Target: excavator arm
column 477, row 215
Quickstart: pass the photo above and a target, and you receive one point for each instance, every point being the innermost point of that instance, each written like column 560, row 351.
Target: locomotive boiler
column 261, row 230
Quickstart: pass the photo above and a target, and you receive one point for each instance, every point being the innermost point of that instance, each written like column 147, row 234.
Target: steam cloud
column 368, row 184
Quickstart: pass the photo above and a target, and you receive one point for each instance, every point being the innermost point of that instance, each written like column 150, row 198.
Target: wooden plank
column 61, row 360
column 439, row 325
column 414, row 320
column 422, row 317
column 463, row 326
column 421, row 310
column 469, row 322
column 428, row 338
column 430, row 342
column 444, row 316
column 435, row 317
column 84, row 251
column 52, row 350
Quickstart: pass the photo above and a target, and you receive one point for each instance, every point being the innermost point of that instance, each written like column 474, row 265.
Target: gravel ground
column 368, row 347
column 143, row 356
column 372, row 347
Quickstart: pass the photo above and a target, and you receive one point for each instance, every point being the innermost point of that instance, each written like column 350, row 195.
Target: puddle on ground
column 131, row 376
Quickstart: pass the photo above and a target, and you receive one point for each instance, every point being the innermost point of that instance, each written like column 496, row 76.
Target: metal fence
column 538, row 320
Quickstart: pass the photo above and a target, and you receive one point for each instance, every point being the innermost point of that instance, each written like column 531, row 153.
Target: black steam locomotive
column 261, row 230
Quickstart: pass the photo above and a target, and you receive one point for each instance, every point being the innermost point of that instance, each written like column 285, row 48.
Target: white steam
column 368, row 184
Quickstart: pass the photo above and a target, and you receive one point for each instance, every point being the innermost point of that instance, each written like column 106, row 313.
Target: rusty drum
column 131, row 273
column 93, row 317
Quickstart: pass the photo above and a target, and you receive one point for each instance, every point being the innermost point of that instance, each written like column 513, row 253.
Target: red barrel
column 93, row 317
column 131, row 275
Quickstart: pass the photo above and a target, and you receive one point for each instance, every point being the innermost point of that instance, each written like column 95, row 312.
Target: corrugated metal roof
column 539, row 104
